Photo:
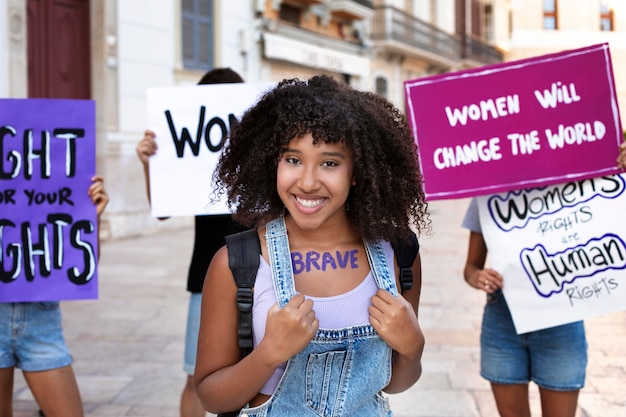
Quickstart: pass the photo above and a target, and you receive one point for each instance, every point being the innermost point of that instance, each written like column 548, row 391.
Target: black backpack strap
column 406, row 251
column 243, row 259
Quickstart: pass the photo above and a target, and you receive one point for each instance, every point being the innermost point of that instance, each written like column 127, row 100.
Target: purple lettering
column 343, row 262
column 296, row 262
column 327, row 259
column 314, row 260
column 353, row 258
column 311, row 260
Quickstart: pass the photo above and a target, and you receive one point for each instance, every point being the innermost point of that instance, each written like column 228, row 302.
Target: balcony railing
column 391, row 24
column 350, row 9
column 481, row 52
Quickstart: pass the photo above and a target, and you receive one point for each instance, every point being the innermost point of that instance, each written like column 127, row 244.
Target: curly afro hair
column 387, row 200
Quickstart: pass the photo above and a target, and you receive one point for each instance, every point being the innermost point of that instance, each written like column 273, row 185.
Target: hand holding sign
column 621, row 159
column 191, row 125
column 98, row 194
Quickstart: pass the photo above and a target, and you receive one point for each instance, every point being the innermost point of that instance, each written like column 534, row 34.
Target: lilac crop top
column 337, row 312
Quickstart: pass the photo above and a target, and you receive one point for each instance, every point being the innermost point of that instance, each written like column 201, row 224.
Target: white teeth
column 310, row 203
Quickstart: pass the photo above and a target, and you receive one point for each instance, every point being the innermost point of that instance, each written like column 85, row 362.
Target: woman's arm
column 395, row 320
column 99, row 198
column 475, row 273
column 146, row 147
column 224, row 380
column 621, row 158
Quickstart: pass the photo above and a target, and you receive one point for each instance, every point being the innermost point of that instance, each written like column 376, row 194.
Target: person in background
column 327, row 175
column 31, row 339
column 208, row 238
column 621, row 158
column 554, row 358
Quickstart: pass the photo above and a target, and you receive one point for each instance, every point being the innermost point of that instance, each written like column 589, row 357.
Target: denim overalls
column 340, row 372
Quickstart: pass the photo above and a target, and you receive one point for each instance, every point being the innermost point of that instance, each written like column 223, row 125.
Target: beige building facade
column 578, row 24
column 375, row 45
column 127, row 47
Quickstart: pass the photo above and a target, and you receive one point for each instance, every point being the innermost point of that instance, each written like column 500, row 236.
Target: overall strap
column 244, row 252
column 280, row 255
column 382, row 271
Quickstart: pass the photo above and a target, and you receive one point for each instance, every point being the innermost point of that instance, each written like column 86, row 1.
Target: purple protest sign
column 527, row 123
column 48, row 224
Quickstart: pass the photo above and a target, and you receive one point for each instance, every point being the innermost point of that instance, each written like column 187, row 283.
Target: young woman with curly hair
column 327, row 175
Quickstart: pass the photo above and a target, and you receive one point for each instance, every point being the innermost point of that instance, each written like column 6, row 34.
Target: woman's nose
column 309, row 179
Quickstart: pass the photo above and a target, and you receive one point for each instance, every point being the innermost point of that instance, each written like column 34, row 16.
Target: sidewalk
column 128, row 345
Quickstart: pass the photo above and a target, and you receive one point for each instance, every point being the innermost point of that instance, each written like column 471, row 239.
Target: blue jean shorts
column 554, row 358
column 191, row 337
column 31, row 337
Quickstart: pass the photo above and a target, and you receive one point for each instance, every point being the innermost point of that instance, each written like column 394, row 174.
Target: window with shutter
column 549, row 15
column 197, row 34
column 606, row 17
column 381, row 87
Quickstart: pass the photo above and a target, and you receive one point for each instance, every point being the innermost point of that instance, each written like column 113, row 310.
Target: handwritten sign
column 516, row 125
column 48, row 224
column 192, row 124
column 561, row 250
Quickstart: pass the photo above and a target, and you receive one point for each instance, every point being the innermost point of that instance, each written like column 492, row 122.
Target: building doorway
column 59, row 53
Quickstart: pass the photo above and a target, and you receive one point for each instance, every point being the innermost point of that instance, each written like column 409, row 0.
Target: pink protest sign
column 528, row 123
column 48, row 224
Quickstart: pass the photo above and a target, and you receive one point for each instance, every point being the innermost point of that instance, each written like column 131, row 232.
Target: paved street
column 128, row 345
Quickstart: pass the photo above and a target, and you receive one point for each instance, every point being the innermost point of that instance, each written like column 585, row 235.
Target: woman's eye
column 292, row 160
column 329, row 164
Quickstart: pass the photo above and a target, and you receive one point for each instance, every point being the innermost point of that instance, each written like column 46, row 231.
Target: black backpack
column 243, row 259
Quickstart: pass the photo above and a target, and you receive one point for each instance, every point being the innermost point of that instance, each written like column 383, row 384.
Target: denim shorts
column 554, row 358
column 191, row 336
column 31, row 337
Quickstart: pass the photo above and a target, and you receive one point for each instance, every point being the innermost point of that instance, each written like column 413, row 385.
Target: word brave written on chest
column 306, row 262
column 521, row 143
column 44, row 240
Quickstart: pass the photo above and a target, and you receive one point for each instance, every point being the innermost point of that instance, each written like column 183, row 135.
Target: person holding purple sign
column 554, row 358
column 208, row 238
column 31, row 338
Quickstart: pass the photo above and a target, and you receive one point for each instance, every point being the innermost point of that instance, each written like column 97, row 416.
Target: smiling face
column 313, row 181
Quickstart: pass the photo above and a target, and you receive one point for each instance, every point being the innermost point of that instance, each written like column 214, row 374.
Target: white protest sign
column 192, row 124
column 560, row 249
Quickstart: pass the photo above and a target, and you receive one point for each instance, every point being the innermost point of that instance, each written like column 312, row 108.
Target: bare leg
column 512, row 400
column 56, row 392
column 189, row 402
column 6, row 392
column 558, row 403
